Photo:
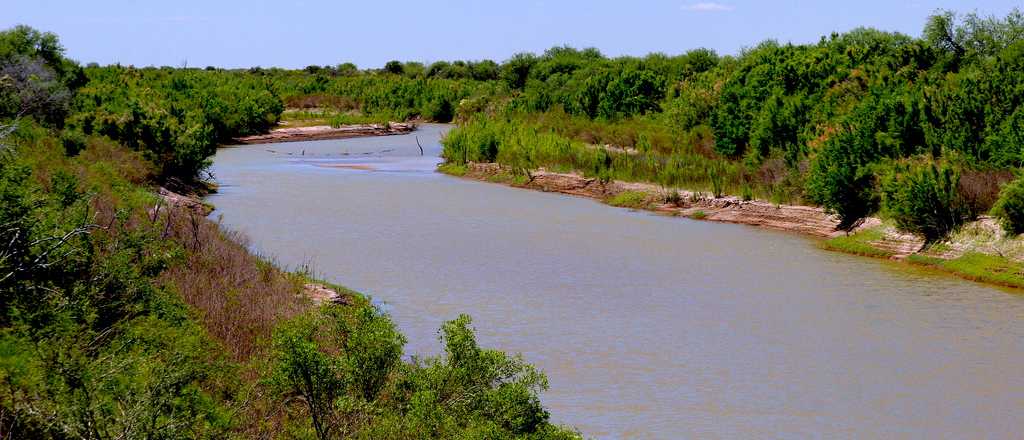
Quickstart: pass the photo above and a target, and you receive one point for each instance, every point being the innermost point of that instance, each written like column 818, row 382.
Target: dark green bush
column 925, row 200
column 345, row 364
column 73, row 142
column 1009, row 208
column 842, row 185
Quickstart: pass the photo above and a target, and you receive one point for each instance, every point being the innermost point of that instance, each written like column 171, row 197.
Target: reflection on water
column 648, row 326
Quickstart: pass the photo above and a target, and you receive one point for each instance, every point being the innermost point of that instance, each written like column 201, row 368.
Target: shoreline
column 806, row 220
column 975, row 254
column 326, row 132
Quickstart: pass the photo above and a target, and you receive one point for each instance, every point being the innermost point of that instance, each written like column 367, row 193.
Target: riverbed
column 647, row 326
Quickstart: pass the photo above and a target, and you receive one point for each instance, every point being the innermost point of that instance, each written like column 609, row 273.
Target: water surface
column 647, row 326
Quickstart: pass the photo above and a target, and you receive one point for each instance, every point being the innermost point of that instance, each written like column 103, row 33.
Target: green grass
column 975, row 266
column 500, row 177
column 509, row 178
column 341, row 119
column 306, row 118
column 699, row 215
column 453, row 169
column 858, row 244
column 630, row 199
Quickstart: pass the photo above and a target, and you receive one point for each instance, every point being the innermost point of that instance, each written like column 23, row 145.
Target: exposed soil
column 801, row 219
column 321, row 132
column 190, row 203
column 320, row 294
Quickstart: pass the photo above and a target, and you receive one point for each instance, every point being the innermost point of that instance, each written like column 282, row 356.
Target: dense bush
column 345, row 365
column 925, row 200
column 35, row 77
column 91, row 343
column 843, row 183
column 176, row 117
column 1009, row 209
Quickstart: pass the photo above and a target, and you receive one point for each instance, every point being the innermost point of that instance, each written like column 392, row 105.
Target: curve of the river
column 647, row 326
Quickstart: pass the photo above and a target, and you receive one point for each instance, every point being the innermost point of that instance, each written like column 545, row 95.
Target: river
column 647, row 326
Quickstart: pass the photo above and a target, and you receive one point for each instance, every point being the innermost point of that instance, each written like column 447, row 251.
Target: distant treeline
column 848, row 123
column 921, row 130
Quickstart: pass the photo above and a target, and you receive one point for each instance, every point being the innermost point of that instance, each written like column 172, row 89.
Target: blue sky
column 233, row 33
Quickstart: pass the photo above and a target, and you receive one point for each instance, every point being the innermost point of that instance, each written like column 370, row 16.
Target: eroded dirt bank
column 323, row 132
column 802, row 219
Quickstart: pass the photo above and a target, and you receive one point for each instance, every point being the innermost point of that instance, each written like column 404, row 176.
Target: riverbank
column 325, row 132
column 979, row 251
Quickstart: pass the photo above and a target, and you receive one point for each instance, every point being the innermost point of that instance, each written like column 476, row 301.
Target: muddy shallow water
column 647, row 326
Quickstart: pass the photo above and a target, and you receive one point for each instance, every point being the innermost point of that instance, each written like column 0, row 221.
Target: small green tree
column 925, row 200
column 394, row 67
column 372, row 349
column 842, row 185
column 1010, row 207
column 303, row 370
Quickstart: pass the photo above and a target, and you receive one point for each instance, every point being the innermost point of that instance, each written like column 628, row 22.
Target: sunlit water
column 647, row 326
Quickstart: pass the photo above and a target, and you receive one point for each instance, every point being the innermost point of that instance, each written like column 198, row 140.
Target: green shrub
column 747, row 193
column 925, row 200
column 73, row 142
column 1009, row 208
column 344, row 363
column 842, row 187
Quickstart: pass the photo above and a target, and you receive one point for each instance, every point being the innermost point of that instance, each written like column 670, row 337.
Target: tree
column 940, row 31
column 925, row 200
column 517, row 69
column 394, row 67
column 841, row 183
column 1009, row 209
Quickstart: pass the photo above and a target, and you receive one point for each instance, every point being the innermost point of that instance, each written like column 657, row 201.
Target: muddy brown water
column 647, row 326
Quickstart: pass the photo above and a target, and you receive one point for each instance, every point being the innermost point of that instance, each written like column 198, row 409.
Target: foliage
column 925, row 200
column 91, row 345
column 1009, row 209
column 35, row 77
column 176, row 117
column 116, row 317
column 344, row 365
column 819, row 123
column 127, row 317
column 842, row 184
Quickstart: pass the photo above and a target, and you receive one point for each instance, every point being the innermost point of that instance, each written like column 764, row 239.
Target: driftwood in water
column 418, row 145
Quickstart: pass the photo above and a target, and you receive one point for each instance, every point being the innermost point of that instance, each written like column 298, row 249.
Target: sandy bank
column 189, row 203
column 802, row 219
column 321, row 293
column 321, row 132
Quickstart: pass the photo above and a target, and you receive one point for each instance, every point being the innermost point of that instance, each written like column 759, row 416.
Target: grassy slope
column 973, row 265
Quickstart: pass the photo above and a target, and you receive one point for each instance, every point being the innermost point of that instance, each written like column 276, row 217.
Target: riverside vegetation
column 126, row 316
column 924, row 133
